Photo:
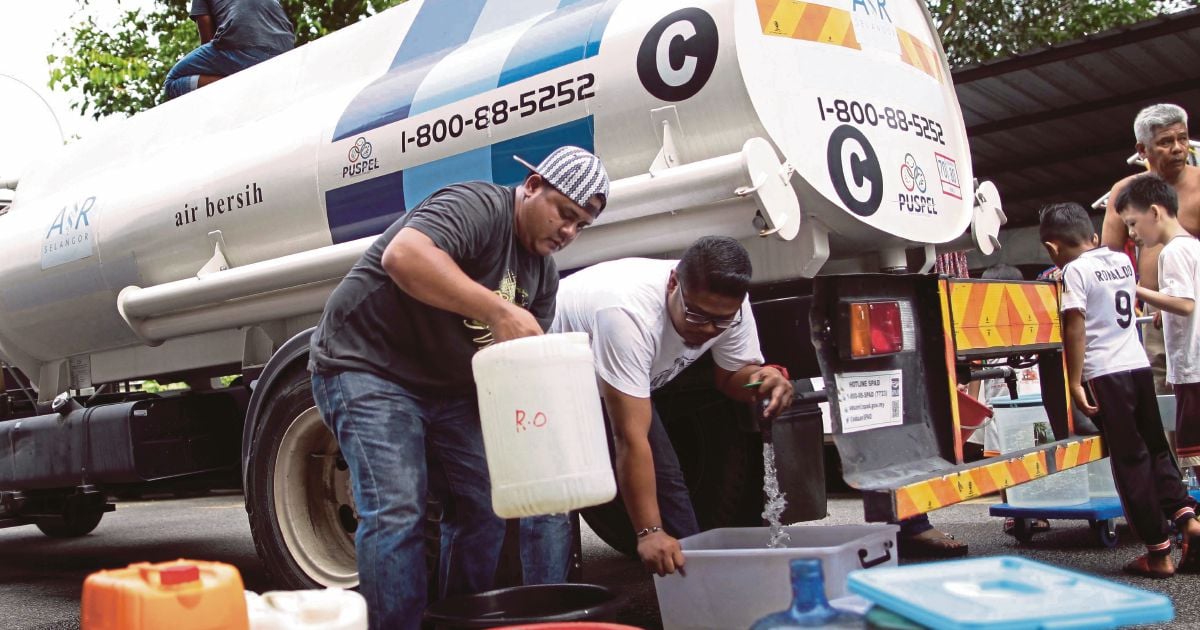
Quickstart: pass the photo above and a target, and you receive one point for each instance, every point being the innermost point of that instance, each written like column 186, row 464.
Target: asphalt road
column 41, row 578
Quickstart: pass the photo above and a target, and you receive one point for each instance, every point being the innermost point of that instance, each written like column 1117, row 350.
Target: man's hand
column 1080, row 397
column 514, row 322
column 775, row 388
column 660, row 553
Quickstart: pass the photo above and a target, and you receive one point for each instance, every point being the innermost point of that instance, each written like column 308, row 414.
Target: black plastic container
column 544, row 603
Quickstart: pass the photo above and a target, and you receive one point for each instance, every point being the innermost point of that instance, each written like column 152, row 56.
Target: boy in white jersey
column 1102, row 349
column 1149, row 207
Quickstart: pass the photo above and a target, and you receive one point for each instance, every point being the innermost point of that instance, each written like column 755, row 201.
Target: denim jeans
column 546, row 540
column 208, row 59
column 383, row 431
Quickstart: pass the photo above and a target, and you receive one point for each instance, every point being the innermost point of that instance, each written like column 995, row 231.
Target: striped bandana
column 575, row 173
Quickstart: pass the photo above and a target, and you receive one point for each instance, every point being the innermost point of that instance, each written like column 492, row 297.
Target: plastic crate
column 1007, row 593
column 732, row 578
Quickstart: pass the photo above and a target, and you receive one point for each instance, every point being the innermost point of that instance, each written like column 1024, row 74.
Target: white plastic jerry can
column 319, row 609
column 543, row 430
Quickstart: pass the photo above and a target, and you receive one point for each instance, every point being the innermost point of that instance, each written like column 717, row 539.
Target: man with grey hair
column 1162, row 141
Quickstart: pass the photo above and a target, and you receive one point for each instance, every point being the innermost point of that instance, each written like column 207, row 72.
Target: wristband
column 782, row 370
column 642, row 533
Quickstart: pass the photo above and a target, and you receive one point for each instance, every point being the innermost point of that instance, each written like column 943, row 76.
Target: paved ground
column 41, row 578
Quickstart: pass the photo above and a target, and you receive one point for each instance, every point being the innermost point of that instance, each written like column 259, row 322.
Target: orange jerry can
column 178, row 595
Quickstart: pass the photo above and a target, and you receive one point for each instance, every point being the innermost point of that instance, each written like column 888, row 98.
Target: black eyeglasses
column 697, row 319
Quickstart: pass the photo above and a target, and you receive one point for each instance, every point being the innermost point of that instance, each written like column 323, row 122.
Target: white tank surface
column 806, row 130
column 543, row 431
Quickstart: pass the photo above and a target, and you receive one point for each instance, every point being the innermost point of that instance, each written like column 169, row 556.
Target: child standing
column 1102, row 349
column 1148, row 206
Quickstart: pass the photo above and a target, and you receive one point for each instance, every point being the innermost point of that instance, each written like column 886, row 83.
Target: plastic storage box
column 1016, row 423
column 180, row 595
column 732, row 578
column 1007, row 593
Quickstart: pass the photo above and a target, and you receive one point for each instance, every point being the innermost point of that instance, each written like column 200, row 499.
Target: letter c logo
column 678, row 55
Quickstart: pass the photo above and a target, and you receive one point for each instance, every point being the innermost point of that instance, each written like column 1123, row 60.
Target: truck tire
column 72, row 524
column 298, row 493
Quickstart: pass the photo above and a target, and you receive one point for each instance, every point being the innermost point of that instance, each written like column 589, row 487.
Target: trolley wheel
column 1106, row 532
column 1022, row 530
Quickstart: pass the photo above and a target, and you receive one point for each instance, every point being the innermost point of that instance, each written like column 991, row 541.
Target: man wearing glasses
column 648, row 321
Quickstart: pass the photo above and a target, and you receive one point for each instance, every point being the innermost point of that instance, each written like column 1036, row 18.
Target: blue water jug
column 809, row 607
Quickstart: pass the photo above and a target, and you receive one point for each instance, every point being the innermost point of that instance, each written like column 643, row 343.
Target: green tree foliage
column 119, row 68
column 979, row 30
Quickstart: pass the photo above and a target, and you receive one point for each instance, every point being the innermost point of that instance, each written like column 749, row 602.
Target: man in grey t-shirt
column 234, row 35
column 391, row 367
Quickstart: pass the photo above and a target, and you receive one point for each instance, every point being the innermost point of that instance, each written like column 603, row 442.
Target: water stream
column 776, row 501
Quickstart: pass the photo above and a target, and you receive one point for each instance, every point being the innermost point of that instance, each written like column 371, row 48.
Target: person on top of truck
column 1162, row 140
column 391, row 366
column 648, row 321
column 234, row 35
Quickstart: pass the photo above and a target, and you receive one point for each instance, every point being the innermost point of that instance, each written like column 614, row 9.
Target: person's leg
column 1118, row 398
column 206, row 64
column 1187, row 423
column 379, row 429
column 674, row 501
column 472, row 535
column 918, row 538
column 1172, row 494
column 1156, row 352
column 545, row 548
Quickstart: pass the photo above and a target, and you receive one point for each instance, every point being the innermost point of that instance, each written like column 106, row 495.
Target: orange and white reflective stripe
column 807, row 21
column 1004, row 314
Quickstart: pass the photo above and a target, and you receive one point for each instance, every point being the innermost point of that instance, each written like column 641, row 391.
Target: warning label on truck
column 870, row 400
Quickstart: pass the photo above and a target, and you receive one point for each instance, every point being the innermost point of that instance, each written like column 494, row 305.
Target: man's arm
column 1114, row 233
column 630, row 416
column 1169, row 303
column 1074, row 344
column 426, row 272
column 774, row 386
column 204, row 24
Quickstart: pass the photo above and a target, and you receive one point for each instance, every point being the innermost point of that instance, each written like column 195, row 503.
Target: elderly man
column 391, row 366
column 1162, row 140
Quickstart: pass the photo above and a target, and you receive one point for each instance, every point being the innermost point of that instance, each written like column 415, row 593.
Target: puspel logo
column 912, row 175
column 360, row 158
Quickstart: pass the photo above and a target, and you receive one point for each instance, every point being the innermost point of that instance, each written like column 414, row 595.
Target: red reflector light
column 875, row 329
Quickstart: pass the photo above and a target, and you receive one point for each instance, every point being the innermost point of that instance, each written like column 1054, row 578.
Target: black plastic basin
column 524, row 605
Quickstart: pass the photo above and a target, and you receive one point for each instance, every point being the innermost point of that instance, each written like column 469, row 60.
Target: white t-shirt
column 1101, row 284
column 622, row 305
column 1178, row 273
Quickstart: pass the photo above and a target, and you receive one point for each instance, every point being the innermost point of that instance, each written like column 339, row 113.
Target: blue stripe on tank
column 368, row 207
column 365, row 208
column 438, row 27
column 534, row 147
column 556, row 40
column 421, row 181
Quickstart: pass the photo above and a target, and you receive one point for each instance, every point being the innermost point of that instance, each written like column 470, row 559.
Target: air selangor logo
column 360, row 159
column 69, row 237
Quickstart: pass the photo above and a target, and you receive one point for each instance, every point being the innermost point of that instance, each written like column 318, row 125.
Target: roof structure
column 1056, row 124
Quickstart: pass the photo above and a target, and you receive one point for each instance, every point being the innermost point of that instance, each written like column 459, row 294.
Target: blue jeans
column 383, row 431
column 546, row 540
column 208, row 59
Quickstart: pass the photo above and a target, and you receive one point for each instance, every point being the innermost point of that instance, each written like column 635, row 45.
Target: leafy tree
column 119, row 69
column 978, row 30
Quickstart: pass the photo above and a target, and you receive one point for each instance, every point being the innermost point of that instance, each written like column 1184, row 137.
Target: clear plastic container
column 318, row 609
column 1022, row 424
column 1100, row 480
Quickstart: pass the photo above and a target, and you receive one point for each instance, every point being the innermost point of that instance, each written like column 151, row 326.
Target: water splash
column 776, row 500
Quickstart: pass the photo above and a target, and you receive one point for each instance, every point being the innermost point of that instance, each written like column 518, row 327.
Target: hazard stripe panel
column 1004, row 315
column 915, row 53
column 813, row 22
column 932, row 494
column 807, row 21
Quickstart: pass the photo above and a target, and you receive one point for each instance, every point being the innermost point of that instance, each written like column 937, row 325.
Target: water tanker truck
column 202, row 237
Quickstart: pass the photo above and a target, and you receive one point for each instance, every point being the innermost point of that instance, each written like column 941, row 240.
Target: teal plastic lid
column 1006, row 592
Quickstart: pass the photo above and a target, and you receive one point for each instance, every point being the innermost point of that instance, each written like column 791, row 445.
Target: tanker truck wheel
column 298, row 493
column 72, row 524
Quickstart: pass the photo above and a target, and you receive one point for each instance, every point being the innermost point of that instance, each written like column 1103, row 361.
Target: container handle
column 867, row 564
